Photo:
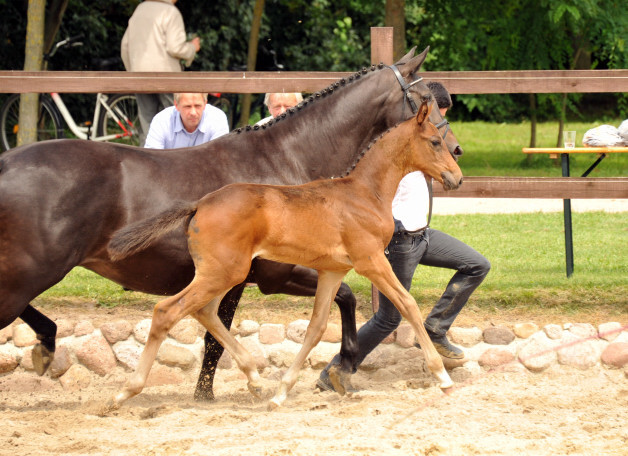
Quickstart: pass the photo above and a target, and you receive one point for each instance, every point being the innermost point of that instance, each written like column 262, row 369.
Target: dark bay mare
column 330, row 225
column 61, row 201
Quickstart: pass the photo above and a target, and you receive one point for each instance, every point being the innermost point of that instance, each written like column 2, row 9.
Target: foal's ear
column 424, row 111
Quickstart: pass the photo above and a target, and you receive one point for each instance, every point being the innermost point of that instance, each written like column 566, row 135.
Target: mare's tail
column 138, row 236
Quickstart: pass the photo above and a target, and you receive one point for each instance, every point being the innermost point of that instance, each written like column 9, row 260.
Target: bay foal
column 330, row 225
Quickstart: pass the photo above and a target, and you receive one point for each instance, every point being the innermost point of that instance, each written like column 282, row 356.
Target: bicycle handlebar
column 70, row 41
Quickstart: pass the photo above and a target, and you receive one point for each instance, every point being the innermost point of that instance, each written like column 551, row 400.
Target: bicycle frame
column 86, row 132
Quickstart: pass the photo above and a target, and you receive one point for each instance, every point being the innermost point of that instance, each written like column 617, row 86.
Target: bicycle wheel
column 125, row 108
column 49, row 124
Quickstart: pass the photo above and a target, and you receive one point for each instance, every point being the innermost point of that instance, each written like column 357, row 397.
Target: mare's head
column 406, row 71
column 428, row 151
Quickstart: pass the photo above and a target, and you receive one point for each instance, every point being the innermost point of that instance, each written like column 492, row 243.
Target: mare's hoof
column 341, row 380
column 203, row 396
column 448, row 390
column 42, row 358
column 256, row 390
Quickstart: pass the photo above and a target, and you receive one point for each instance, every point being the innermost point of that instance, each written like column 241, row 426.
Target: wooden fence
column 457, row 82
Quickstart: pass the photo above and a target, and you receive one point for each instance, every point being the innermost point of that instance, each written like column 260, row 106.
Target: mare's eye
column 435, row 142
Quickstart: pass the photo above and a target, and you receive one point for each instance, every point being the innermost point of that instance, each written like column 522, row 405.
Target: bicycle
column 115, row 116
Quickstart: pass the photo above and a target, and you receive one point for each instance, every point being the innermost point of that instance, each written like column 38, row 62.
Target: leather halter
column 405, row 88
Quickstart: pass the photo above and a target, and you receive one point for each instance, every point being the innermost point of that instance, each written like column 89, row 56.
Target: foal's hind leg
column 328, row 283
column 165, row 315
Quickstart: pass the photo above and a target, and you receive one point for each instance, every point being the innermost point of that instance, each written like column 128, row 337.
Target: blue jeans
column 431, row 248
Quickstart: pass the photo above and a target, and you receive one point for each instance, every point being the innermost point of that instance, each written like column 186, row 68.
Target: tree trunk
column 252, row 57
column 33, row 56
column 54, row 16
column 396, row 18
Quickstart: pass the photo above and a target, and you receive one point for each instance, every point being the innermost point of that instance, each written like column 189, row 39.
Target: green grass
column 495, row 150
column 526, row 251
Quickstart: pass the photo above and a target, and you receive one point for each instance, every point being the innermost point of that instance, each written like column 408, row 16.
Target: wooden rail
column 457, row 82
column 539, row 187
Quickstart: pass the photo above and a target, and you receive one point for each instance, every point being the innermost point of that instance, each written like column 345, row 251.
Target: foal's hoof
column 42, row 358
column 110, row 406
column 256, row 390
column 340, row 380
column 203, row 396
column 273, row 404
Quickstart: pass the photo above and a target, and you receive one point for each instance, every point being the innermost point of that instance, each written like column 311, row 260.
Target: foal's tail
column 138, row 236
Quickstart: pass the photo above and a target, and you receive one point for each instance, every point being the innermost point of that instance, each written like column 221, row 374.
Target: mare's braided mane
column 312, row 98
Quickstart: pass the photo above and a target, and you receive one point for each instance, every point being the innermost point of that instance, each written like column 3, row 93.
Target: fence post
column 381, row 51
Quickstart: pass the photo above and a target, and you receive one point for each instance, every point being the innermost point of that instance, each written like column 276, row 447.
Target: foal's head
column 429, row 152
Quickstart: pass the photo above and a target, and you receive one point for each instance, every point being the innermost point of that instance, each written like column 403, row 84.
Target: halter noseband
column 405, row 88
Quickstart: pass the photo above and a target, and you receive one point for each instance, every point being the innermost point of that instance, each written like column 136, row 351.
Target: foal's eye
column 435, row 142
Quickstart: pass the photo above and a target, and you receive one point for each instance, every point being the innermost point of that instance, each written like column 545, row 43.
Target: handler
column 414, row 243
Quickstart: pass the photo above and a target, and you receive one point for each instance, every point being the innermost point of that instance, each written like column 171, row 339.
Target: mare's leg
column 272, row 277
column 378, row 270
column 46, row 330
column 328, row 283
column 208, row 317
column 213, row 350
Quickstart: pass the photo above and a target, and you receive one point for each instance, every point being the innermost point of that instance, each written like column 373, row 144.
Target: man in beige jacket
column 155, row 41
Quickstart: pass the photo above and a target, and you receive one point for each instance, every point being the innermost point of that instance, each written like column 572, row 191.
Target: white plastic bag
column 603, row 136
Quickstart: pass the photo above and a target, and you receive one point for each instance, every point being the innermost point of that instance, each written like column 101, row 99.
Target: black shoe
column 324, row 384
column 444, row 347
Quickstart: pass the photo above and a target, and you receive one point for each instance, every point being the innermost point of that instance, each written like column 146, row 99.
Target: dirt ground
column 398, row 411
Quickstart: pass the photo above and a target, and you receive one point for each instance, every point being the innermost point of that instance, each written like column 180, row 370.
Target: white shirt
column 167, row 131
column 411, row 203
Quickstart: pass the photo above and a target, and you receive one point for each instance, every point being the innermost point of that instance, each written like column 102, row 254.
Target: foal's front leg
column 378, row 270
column 328, row 283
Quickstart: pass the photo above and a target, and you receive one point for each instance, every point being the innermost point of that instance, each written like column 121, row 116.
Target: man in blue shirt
column 190, row 122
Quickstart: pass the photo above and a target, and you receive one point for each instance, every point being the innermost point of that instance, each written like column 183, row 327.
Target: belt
column 418, row 232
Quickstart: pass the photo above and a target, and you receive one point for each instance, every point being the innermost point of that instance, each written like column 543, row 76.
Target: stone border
column 110, row 352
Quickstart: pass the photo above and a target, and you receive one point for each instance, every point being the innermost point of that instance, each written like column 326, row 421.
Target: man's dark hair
column 441, row 94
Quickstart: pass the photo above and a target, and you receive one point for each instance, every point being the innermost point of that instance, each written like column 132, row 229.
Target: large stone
column 270, row 333
column 9, row 359
column 467, row 337
column 61, row 362
column 296, row 331
column 582, row 330
column 538, row 352
column 248, row 327
column 128, row 353
column 94, row 352
column 65, row 327
column 525, row 330
column 116, row 331
column 609, row 331
column 175, row 356
column 616, row 354
column 498, row 335
column 76, row 378
column 256, row 350
column 23, row 335
column 6, row 334
column 164, row 375
column 495, row 357
column 333, row 333
column 185, row 332
column 405, row 335
column 578, row 352
column 553, row 332
column 322, row 354
column 141, row 330
column 283, row 354
column 83, row 328
column 27, row 359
